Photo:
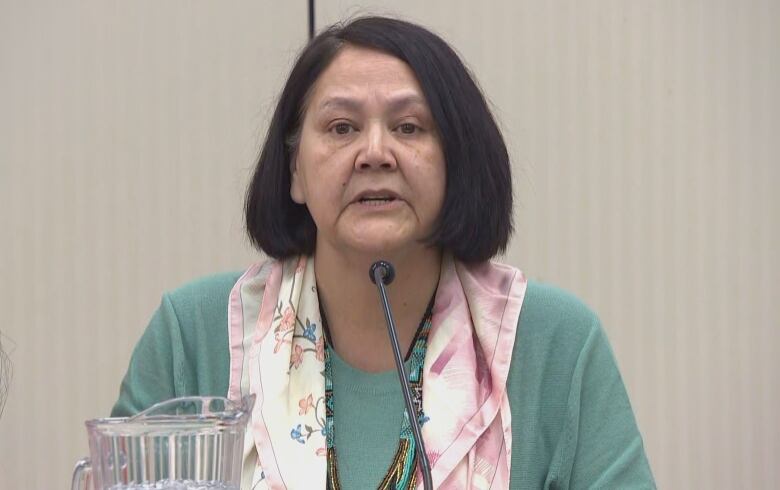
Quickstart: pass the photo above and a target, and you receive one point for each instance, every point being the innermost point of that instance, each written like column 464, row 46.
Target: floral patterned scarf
column 277, row 353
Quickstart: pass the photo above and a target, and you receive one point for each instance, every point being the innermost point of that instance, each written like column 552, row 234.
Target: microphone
column 382, row 273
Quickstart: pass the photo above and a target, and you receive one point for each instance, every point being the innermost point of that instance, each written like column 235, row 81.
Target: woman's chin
column 379, row 245
column 372, row 240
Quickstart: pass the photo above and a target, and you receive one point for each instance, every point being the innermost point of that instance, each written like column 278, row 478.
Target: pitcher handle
column 82, row 475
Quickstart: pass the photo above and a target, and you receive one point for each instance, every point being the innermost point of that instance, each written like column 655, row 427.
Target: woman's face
column 369, row 165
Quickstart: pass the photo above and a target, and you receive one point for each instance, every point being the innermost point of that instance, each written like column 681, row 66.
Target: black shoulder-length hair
column 475, row 221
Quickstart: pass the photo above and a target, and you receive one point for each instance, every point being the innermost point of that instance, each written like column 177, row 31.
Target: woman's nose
column 376, row 151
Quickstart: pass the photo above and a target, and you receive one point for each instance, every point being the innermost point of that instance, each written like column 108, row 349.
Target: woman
column 382, row 146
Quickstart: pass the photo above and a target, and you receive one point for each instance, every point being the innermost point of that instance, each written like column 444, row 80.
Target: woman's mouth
column 378, row 198
column 376, row 201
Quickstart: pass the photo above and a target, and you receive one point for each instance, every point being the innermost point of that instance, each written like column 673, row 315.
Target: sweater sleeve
column 155, row 365
column 600, row 446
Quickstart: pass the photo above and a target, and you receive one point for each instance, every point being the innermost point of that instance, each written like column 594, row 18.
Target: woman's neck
column 354, row 313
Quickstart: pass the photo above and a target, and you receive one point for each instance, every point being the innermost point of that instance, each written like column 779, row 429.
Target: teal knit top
column 572, row 423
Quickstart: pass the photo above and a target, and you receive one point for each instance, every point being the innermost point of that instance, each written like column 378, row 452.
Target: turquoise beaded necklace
column 401, row 475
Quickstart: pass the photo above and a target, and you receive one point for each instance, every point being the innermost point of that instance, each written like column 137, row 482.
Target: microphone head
column 385, row 270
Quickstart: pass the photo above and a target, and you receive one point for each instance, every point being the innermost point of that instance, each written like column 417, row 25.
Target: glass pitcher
column 183, row 443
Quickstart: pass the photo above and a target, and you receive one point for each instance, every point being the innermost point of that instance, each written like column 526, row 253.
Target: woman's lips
column 378, row 203
column 376, row 194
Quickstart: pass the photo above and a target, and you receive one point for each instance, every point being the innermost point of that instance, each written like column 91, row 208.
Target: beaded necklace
column 401, row 475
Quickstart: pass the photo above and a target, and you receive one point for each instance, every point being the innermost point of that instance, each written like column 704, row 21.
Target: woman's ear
column 297, row 193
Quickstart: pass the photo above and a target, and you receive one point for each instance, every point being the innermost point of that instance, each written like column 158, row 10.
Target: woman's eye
column 341, row 128
column 407, row 128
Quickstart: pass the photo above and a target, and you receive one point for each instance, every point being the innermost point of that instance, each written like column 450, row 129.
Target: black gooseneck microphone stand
column 382, row 273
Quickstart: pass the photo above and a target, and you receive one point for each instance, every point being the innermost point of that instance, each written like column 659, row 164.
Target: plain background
column 644, row 135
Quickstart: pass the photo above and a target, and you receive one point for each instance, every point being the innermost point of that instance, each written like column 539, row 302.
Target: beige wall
column 645, row 144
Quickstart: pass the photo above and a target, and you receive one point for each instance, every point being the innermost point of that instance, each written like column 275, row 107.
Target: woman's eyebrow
column 395, row 103
column 340, row 102
column 406, row 100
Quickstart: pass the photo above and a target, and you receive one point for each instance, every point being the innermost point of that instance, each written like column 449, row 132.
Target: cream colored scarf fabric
column 277, row 353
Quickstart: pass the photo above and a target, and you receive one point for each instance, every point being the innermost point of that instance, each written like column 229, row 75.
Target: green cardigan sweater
column 572, row 423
